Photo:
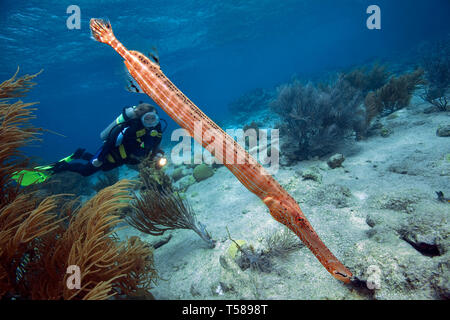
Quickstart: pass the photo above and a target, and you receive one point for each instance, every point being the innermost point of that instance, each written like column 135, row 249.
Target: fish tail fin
column 101, row 30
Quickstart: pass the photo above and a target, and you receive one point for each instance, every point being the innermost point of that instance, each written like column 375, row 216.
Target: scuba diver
column 135, row 134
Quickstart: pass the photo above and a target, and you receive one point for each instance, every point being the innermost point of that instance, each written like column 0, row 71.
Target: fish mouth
column 342, row 277
column 342, row 274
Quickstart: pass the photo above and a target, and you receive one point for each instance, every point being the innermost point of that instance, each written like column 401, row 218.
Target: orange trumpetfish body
column 249, row 172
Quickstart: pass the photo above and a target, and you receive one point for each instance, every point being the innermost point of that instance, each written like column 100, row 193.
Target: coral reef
column 250, row 128
column 37, row 246
column 312, row 173
column 252, row 125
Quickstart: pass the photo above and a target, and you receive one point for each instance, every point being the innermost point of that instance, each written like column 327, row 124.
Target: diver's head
column 142, row 108
column 150, row 119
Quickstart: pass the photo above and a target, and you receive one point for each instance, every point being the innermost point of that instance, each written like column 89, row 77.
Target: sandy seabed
column 378, row 213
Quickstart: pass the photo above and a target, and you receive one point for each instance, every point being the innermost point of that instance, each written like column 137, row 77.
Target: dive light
column 161, row 161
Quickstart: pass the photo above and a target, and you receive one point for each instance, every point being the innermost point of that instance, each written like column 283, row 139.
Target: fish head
column 339, row 271
column 286, row 211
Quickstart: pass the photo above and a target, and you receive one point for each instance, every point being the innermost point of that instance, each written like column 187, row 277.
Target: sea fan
column 158, row 209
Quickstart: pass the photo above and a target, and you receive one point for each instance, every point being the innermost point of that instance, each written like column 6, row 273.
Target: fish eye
column 341, row 274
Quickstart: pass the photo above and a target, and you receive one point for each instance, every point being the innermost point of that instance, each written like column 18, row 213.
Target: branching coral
column 367, row 81
column 22, row 218
column 17, row 87
column 36, row 246
column 278, row 245
column 15, row 132
column 436, row 63
column 100, row 257
column 316, row 119
column 48, row 246
column 282, row 243
column 158, row 209
column 22, row 221
column 107, row 266
column 394, row 95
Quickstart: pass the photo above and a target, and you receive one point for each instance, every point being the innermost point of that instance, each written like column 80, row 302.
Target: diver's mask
column 150, row 119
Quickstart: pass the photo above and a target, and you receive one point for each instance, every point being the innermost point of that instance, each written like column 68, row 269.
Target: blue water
column 214, row 51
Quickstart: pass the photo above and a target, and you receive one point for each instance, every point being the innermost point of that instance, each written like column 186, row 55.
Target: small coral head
column 101, row 30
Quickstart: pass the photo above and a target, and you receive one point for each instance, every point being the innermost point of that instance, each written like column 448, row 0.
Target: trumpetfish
column 250, row 173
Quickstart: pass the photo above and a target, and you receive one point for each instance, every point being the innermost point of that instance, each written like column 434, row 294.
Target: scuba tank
column 127, row 114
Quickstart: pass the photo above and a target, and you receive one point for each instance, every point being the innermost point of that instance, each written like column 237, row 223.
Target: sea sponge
column 234, row 248
column 202, row 172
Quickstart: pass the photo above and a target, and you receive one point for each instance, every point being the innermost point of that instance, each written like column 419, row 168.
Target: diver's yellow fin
column 32, row 176
column 36, row 175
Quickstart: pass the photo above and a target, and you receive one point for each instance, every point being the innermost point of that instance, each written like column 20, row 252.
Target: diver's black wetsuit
column 137, row 143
